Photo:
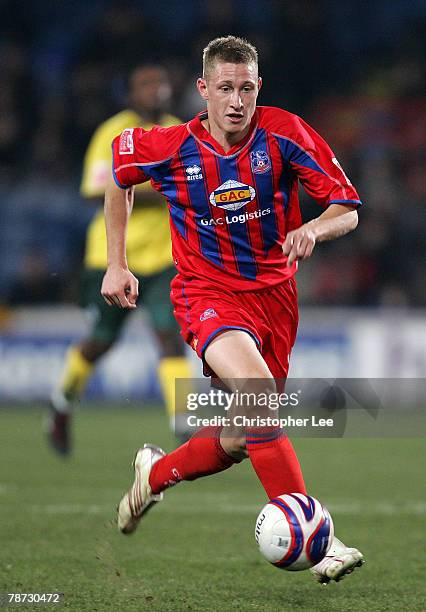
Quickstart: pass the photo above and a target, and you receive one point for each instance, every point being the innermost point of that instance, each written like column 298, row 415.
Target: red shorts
column 270, row 316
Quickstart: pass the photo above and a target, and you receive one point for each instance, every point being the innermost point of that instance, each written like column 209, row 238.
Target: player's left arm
column 336, row 221
column 323, row 179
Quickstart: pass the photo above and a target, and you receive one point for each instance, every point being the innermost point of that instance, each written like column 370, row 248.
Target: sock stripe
column 263, row 434
column 253, row 442
column 262, row 438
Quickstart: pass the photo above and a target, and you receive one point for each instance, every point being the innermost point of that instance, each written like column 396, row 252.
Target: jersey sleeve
column 139, row 155
column 129, row 152
column 316, row 165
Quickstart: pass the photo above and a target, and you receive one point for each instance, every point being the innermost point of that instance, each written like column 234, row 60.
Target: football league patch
column 126, row 146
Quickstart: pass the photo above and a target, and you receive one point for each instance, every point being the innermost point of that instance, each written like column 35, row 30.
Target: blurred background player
column 148, row 252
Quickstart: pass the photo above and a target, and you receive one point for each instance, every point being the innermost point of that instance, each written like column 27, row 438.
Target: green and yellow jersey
column 148, row 236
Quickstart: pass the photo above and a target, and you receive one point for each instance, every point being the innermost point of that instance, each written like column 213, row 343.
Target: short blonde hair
column 230, row 49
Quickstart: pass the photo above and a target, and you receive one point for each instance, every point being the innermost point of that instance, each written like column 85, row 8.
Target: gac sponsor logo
column 126, row 146
column 241, row 218
column 232, row 195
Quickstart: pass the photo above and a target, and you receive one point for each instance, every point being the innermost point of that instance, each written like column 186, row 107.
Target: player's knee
column 254, row 396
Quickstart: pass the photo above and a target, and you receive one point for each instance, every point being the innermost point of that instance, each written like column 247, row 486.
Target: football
column 294, row 531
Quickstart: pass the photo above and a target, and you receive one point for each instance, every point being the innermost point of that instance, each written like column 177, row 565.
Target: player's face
column 150, row 89
column 231, row 92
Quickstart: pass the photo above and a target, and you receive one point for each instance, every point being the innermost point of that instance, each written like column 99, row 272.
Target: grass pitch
column 196, row 550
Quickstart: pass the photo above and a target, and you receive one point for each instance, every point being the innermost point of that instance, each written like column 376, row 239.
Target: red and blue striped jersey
column 230, row 212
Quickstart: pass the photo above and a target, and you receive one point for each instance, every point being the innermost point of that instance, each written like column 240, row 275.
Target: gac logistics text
column 241, row 218
column 221, row 399
column 244, row 421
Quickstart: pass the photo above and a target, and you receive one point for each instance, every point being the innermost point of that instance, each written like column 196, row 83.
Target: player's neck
column 225, row 139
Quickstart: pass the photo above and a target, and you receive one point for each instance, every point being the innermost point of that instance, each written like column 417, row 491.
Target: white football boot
column 338, row 562
column 139, row 499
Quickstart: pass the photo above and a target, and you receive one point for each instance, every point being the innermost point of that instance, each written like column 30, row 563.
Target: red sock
column 275, row 462
column 200, row 456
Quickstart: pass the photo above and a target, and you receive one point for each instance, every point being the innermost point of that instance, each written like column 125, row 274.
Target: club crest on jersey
column 210, row 313
column 232, row 195
column 126, row 146
column 260, row 162
column 193, row 172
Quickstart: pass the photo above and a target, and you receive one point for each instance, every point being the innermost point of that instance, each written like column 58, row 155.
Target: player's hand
column 299, row 244
column 120, row 288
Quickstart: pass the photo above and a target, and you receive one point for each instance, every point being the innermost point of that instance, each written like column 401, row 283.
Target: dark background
column 352, row 69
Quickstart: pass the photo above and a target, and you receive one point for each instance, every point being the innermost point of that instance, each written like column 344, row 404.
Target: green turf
column 196, row 550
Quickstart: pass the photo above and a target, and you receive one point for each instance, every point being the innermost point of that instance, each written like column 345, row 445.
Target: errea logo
column 193, row 173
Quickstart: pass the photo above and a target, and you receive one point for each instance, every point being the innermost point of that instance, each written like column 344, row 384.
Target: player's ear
column 202, row 88
column 259, row 82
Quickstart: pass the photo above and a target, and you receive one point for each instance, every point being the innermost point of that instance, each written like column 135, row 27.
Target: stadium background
column 354, row 71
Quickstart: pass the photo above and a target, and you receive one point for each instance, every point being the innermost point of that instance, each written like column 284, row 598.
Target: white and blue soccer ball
column 294, row 531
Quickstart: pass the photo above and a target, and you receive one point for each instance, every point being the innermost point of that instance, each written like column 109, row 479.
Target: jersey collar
column 197, row 129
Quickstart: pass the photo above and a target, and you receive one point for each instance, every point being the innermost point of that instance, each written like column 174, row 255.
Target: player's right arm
column 119, row 286
column 137, row 154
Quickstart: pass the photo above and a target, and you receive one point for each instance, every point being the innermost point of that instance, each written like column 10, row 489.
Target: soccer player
column 230, row 176
column 148, row 252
